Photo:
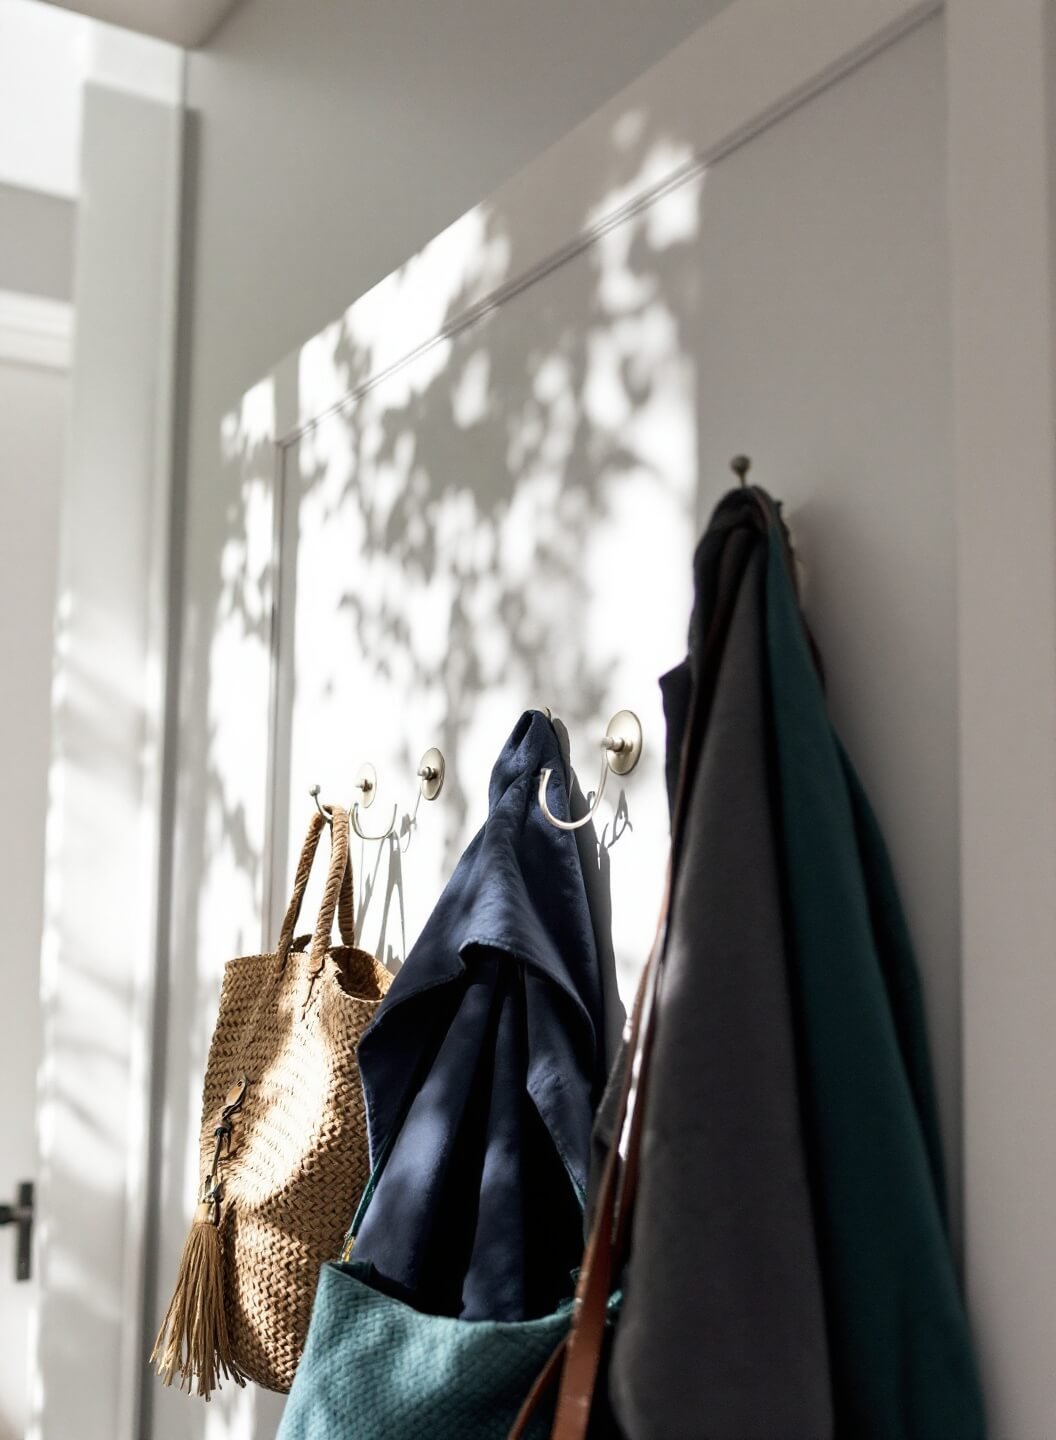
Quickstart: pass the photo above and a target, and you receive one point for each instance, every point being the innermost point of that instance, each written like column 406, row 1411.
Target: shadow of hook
column 621, row 823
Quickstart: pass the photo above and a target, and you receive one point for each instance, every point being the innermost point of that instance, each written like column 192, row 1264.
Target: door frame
column 108, row 815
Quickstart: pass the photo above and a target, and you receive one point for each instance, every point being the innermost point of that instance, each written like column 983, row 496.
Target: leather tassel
column 193, row 1341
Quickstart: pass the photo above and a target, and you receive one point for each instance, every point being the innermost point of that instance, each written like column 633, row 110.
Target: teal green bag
column 374, row 1368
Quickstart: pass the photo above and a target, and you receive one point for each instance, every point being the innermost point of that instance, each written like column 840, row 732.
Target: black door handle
column 20, row 1214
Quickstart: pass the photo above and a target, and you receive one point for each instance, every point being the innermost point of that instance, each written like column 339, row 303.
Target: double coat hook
column 431, row 769
column 621, row 751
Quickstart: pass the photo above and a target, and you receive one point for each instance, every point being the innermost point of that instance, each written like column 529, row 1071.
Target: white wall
column 46, row 55
column 508, row 517
column 33, row 427
column 36, row 243
column 335, row 139
column 1003, row 213
column 42, row 59
column 792, row 304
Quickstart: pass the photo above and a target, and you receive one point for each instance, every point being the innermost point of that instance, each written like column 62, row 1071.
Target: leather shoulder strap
column 609, row 1243
column 578, row 1357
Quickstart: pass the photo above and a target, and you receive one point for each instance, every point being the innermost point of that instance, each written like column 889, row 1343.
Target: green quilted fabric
column 374, row 1369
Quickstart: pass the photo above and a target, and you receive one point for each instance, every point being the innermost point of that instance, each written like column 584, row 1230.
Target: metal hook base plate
column 431, row 770
column 366, row 782
column 625, row 731
column 621, row 750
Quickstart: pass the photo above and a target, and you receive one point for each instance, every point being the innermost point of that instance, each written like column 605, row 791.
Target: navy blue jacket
column 482, row 1067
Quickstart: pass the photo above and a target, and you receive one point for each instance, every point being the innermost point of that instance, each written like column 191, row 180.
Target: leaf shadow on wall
column 491, row 498
column 482, row 477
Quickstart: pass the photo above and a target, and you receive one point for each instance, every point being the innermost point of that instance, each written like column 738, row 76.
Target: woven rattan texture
column 290, row 1023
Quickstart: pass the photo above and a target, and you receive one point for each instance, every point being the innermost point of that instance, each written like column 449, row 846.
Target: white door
column 33, row 409
column 495, row 465
column 503, row 515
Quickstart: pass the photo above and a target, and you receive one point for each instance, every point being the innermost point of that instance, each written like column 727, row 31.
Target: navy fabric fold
column 483, row 1065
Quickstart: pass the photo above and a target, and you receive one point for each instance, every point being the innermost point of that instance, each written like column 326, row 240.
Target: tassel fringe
column 193, row 1341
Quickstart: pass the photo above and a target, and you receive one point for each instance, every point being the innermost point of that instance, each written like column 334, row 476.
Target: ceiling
column 183, row 22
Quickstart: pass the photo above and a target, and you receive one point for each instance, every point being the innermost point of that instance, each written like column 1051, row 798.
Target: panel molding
column 833, row 40
column 755, row 62
column 35, row 330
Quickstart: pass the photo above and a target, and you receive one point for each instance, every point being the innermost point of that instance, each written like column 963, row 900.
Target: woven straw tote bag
column 283, row 1143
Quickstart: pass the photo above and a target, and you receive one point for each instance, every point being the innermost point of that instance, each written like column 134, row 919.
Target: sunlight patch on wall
column 661, row 158
column 239, row 664
column 505, row 520
column 456, row 270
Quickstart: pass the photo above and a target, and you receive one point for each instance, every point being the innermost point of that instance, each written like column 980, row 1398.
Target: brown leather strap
column 546, row 1378
column 579, row 1356
column 609, row 1241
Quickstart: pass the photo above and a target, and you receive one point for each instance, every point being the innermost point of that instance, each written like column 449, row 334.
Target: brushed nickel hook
column 366, row 782
column 431, row 771
column 621, row 751
column 353, row 820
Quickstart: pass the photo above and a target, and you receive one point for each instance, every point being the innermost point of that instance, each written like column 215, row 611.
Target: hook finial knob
column 431, row 769
column 315, row 792
column 366, row 782
column 740, row 465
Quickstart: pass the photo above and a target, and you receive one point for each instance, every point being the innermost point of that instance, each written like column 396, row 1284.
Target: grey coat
column 722, row 1333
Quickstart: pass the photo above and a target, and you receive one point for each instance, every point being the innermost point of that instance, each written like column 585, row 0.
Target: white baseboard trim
column 35, row 330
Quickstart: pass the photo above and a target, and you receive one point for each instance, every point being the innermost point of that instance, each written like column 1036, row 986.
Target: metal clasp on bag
column 209, row 1198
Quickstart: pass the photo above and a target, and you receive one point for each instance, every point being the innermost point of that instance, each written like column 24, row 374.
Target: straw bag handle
column 337, row 893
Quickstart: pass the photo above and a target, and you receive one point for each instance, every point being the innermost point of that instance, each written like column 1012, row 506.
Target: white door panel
column 508, row 519
column 501, row 510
